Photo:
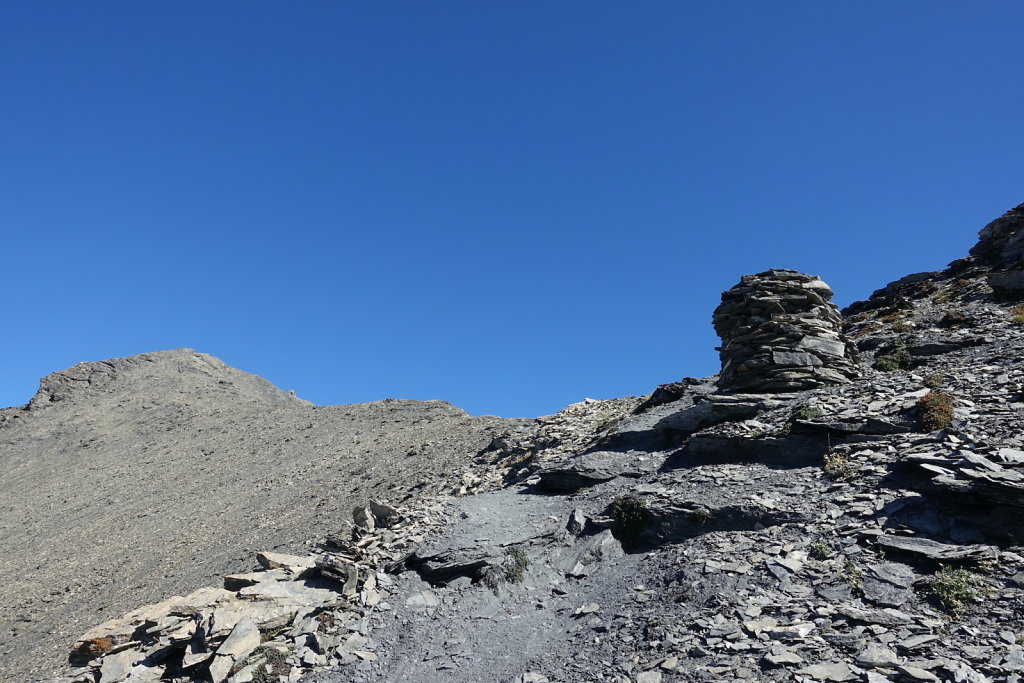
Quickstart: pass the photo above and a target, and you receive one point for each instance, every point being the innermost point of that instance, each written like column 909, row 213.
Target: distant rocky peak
column 1001, row 247
column 781, row 332
column 174, row 376
column 993, row 270
column 1001, row 242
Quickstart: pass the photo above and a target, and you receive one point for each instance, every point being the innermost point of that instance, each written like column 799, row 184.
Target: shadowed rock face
column 1001, row 242
column 1001, row 246
column 780, row 332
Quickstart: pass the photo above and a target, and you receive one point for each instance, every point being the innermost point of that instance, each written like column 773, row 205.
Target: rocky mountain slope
column 844, row 504
column 122, row 482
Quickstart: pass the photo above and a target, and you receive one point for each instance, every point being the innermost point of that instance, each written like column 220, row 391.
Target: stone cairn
column 780, row 332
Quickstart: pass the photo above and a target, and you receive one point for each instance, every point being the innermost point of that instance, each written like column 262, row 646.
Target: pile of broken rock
column 295, row 613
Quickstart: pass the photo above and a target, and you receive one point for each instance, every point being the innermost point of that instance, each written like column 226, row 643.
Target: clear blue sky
column 507, row 205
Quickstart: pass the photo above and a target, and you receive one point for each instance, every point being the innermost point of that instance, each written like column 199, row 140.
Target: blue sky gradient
column 507, row 205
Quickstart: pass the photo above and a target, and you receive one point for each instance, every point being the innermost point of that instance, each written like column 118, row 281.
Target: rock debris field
column 855, row 516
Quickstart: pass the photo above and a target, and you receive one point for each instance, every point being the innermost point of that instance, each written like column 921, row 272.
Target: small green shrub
column 808, row 413
column 901, row 326
column 894, row 356
column 820, row 550
column 935, row 410
column 886, row 363
column 1017, row 313
column 268, row 634
column 653, row 630
column 986, row 566
column 628, row 513
column 516, row 563
column 953, row 319
column 700, row 515
column 869, row 328
column 838, row 466
column 270, row 664
column 953, row 588
column 934, row 380
column 892, row 316
column 853, row 574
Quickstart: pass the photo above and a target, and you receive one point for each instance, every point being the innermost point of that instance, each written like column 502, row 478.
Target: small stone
column 915, row 642
column 116, row 667
column 882, row 617
column 577, row 520
column 579, row 570
column 895, row 573
column 756, row 626
column 245, row 675
column 791, row 632
column 293, row 563
column 363, row 517
column 244, row 638
column 835, row 671
column 533, row 677
column 876, row 656
column 423, row 600
column 1014, row 661
column 915, row 673
column 779, row 655
column 384, row 515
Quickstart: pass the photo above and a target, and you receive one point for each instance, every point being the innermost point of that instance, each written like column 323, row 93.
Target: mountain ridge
column 700, row 534
column 197, row 457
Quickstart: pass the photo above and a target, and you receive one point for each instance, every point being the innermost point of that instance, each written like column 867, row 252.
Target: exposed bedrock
column 780, row 332
column 1001, row 246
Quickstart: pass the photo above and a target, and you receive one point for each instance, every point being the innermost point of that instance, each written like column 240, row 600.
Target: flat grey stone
column 243, row 639
column 876, row 656
column 834, row 671
column 423, row 600
column 116, row 667
column 883, row 593
column 895, row 573
column 915, row 673
column 934, row 550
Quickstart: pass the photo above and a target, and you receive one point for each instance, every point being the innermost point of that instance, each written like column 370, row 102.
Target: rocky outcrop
column 1001, row 246
column 780, row 332
column 995, row 265
column 296, row 613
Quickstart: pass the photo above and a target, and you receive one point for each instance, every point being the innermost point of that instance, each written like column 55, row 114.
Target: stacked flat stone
column 780, row 332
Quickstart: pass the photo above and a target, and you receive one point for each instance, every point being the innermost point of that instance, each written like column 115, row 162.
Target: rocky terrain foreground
column 125, row 481
column 843, row 503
